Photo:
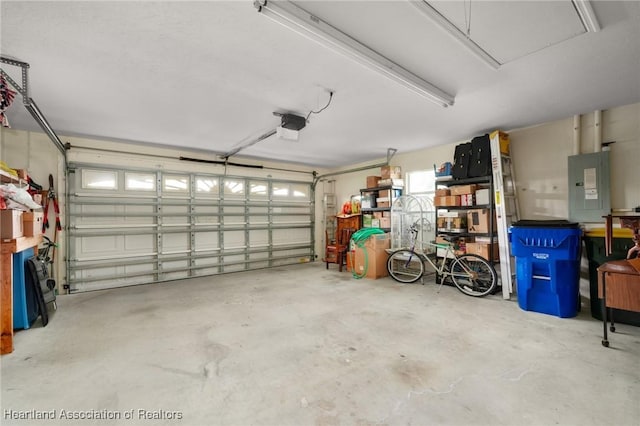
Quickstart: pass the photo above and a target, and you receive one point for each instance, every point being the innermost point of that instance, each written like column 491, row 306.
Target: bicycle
column 44, row 257
column 473, row 275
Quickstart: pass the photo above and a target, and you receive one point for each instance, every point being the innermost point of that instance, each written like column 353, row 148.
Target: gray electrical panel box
column 589, row 187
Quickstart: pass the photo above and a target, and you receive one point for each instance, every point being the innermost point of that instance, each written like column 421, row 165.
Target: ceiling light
column 312, row 27
column 587, row 16
column 287, row 134
column 454, row 31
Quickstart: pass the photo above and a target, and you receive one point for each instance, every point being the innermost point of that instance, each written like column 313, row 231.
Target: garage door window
column 99, row 179
column 139, row 182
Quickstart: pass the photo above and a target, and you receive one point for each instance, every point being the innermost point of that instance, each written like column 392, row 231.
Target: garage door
column 129, row 227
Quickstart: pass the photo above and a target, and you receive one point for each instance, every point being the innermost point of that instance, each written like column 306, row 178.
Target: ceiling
column 208, row 75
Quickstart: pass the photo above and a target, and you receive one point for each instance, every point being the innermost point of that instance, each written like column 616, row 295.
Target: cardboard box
column 482, row 196
column 478, row 221
column 451, row 200
column 391, row 182
column 11, row 224
column 385, row 222
column 467, row 200
column 452, row 224
column 464, row 189
column 391, row 172
column 482, row 249
column 383, row 202
column 443, row 192
column 385, row 193
column 377, row 215
column 441, row 240
column 373, row 181
column 32, row 223
column 22, row 173
column 374, row 249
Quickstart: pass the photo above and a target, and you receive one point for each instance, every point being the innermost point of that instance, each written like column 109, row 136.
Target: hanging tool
column 51, row 196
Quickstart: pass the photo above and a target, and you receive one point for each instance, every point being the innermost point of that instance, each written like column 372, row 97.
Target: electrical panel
column 589, row 187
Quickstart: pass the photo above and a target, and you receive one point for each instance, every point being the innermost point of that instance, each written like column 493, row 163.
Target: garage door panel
column 206, row 241
column 139, row 244
column 234, row 240
column 151, row 226
column 175, row 242
column 259, row 238
column 99, row 245
column 288, row 236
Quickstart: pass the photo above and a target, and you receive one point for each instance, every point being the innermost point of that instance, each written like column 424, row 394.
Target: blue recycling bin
column 547, row 266
column 25, row 305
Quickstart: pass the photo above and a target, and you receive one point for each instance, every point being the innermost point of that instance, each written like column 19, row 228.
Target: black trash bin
column 596, row 255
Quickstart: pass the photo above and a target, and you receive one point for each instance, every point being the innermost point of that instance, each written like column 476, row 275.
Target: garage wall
column 540, row 156
column 35, row 152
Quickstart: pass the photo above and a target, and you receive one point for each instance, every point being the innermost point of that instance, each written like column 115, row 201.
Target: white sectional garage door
column 129, row 227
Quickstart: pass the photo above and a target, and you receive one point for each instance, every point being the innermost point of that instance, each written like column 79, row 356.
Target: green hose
column 359, row 238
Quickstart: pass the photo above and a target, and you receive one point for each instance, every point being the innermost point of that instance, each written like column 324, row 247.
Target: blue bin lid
column 554, row 223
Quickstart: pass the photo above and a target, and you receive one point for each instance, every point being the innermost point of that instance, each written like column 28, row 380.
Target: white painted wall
column 540, row 156
column 540, row 160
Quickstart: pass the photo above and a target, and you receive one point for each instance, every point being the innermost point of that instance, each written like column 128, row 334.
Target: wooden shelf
column 19, row 244
column 7, row 178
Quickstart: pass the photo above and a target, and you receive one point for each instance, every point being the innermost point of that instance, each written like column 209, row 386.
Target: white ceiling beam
column 587, row 16
column 430, row 12
column 312, row 27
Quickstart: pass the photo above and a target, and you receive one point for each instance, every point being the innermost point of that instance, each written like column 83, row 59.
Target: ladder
column 506, row 204
column 329, row 209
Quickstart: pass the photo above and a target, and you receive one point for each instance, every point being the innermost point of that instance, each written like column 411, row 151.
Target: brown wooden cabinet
column 348, row 221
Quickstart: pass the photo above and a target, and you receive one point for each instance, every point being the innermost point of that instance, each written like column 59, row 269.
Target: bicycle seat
column 449, row 238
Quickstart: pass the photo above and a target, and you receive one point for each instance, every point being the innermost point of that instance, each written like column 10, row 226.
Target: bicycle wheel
column 473, row 275
column 405, row 266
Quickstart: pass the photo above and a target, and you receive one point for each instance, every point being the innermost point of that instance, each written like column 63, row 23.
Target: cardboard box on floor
column 376, row 256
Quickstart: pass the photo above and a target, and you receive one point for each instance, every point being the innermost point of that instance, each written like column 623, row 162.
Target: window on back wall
column 422, row 184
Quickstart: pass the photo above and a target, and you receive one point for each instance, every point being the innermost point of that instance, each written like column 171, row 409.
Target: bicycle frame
column 442, row 268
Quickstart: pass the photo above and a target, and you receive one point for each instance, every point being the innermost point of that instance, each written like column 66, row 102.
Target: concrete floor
column 301, row 345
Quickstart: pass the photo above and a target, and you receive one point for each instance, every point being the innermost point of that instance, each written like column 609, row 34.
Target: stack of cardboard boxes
column 18, row 223
column 472, row 221
column 380, row 198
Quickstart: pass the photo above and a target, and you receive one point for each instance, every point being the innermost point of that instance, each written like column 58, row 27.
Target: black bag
column 461, row 159
column 480, row 164
column 43, row 286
